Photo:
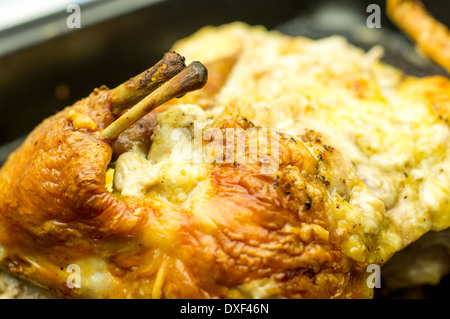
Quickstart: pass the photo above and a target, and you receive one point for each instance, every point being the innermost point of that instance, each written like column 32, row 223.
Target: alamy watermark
column 73, row 21
column 374, row 19
column 374, row 279
column 232, row 145
column 74, row 279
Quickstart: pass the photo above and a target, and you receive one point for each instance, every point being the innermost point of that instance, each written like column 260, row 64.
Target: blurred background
column 45, row 65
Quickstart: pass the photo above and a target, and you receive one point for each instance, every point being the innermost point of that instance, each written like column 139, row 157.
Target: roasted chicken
column 299, row 164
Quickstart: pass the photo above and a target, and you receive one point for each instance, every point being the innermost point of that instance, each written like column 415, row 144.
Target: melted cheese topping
column 395, row 142
column 169, row 172
column 394, row 151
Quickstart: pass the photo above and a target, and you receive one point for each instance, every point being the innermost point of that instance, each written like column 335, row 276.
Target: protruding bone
column 135, row 89
column 192, row 78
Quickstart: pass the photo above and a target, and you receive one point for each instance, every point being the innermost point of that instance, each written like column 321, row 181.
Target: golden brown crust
column 54, row 203
column 55, row 209
column 272, row 228
column 431, row 36
column 434, row 91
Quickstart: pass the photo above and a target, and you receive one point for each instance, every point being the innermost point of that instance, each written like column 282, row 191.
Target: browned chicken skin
column 55, row 210
column 249, row 234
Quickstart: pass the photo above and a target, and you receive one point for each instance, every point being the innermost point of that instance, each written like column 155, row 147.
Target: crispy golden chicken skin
column 56, row 211
column 342, row 163
column 269, row 230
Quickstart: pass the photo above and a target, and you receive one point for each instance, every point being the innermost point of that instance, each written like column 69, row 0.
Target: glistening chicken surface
column 362, row 171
